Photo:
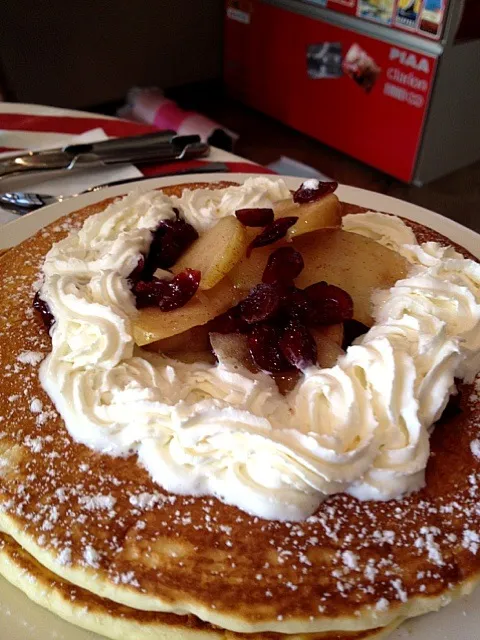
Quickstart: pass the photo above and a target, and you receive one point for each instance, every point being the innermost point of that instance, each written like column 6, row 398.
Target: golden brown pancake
column 116, row 621
column 102, row 524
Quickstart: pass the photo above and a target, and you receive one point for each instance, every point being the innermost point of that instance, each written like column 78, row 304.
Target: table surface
column 263, row 140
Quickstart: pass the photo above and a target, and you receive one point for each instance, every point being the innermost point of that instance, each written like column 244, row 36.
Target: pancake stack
column 93, row 539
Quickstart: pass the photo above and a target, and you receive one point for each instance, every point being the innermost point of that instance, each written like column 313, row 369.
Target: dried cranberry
column 283, row 265
column 181, row 289
column 263, row 343
column 298, row 345
column 330, row 304
column 312, row 190
column 255, row 217
column 167, row 294
column 44, row 310
column 148, row 292
column 352, row 329
column 262, row 303
column 170, row 240
column 272, row 232
column 229, row 322
column 178, row 237
column 296, row 304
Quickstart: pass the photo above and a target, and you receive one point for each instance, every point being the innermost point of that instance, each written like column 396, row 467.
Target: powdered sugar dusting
column 427, row 541
column 92, row 503
column 475, row 448
column 147, row 500
column 64, row 558
column 350, row 559
column 91, row 557
column 400, row 591
column 382, row 604
column 471, row 541
column 36, row 405
column 311, row 183
column 30, row 357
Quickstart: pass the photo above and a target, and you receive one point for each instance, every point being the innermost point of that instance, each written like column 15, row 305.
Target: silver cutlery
column 163, row 146
column 24, row 202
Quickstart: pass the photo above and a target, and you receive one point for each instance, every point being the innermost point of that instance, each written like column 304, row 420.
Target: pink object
column 169, row 115
column 151, row 106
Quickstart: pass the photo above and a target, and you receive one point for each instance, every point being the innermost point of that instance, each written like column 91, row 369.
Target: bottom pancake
column 107, row 618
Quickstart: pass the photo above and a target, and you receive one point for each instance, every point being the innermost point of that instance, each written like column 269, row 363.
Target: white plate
column 14, row 232
column 25, row 620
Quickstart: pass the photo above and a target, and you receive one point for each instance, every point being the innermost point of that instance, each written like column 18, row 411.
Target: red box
column 359, row 94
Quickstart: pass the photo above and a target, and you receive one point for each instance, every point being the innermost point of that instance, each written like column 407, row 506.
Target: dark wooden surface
column 263, row 140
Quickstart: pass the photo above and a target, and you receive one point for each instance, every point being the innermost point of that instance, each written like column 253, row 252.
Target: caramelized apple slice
column 193, row 357
column 233, row 348
column 320, row 214
column 151, row 324
column 215, row 252
column 350, row 261
column 328, row 351
column 317, row 215
column 286, row 382
column 333, row 332
column 249, row 271
column 287, row 207
column 194, row 340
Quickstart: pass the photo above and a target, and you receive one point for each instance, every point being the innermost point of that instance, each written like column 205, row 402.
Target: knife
column 163, row 146
column 22, row 202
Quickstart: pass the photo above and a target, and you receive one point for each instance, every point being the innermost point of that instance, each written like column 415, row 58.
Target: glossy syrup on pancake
column 101, row 523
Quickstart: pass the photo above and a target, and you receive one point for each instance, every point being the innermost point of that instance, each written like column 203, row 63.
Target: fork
column 25, row 202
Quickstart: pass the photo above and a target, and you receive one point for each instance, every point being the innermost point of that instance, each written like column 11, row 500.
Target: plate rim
column 16, row 231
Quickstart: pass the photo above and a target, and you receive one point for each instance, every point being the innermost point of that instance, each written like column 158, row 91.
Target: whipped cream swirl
column 204, row 207
column 360, row 427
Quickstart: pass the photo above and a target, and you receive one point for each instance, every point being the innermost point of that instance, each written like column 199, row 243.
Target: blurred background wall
column 78, row 53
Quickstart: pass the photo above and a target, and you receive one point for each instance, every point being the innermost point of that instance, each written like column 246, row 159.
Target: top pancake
column 101, row 523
